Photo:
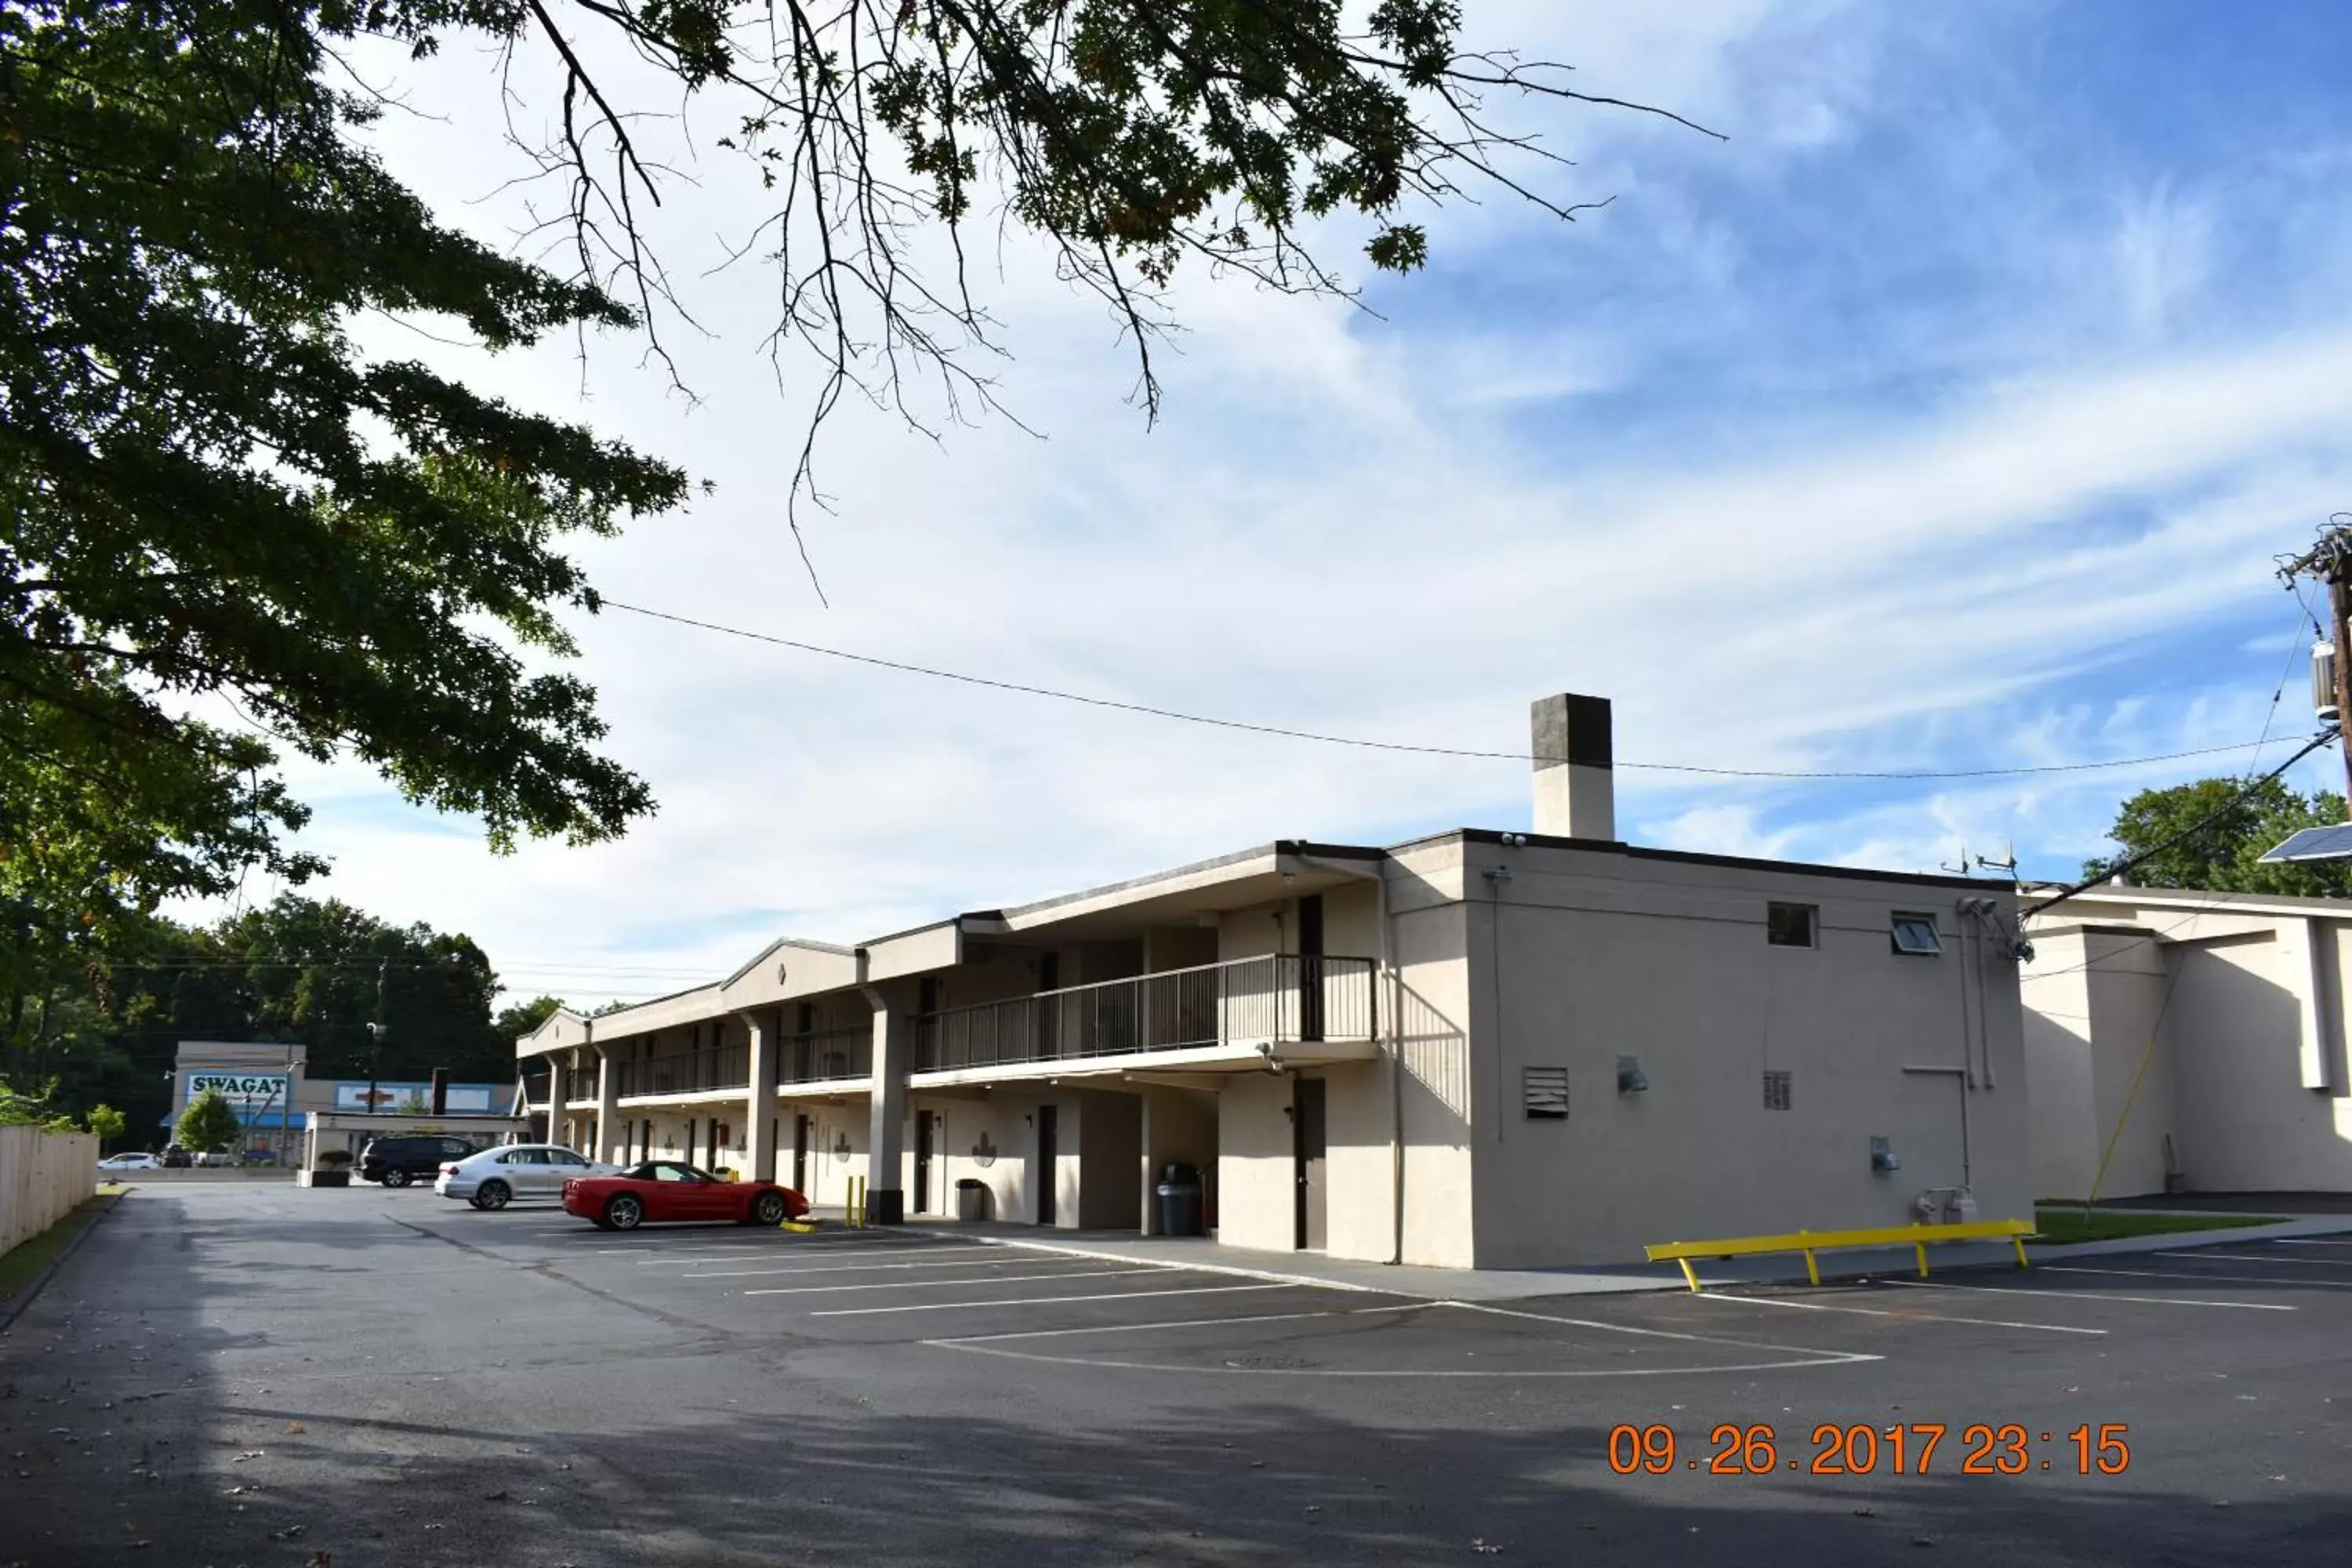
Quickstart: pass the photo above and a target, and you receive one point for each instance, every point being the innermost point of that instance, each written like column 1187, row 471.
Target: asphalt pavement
column 322, row 1379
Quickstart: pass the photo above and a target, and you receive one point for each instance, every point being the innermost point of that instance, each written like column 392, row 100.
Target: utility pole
column 375, row 1038
column 2330, row 562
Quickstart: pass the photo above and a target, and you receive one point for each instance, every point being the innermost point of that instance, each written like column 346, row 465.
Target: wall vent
column 1775, row 1092
column 1545, row 1092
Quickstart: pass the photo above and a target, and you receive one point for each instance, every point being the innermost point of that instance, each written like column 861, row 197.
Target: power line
column 1286, row 734
column 2194, row 828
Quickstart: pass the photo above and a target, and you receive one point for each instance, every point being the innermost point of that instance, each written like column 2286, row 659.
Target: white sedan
column 496, row 1178
column 131, row 1163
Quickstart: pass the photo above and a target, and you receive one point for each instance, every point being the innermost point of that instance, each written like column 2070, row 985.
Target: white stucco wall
column 1254, row 1162
column 2061, row 1097
column 2247, row 1120
column 1594, row 956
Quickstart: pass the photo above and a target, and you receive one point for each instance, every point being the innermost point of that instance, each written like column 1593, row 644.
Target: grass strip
column 22, row 1263
column 2058, row 1224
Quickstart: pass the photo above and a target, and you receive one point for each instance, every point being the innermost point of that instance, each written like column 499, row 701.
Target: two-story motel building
column 1473, row 1050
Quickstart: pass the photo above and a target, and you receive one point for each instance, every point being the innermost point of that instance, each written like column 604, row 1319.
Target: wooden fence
column 44, row 1177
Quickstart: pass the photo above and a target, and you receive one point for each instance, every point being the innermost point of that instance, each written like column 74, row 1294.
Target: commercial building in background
column 266, row 1084
column 1473, row 1050
column 2217, row 1019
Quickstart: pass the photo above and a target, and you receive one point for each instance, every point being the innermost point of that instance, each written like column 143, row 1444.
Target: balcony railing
column 534, row 1088
column 696, row 1072
column 827, row 1054
column 1284, row 998
column 581, row 1087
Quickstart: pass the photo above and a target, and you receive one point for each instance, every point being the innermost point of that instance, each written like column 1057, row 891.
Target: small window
column 1916, row 934
column 1775, row 1092
column 1546, row 1094
column 1791, row 925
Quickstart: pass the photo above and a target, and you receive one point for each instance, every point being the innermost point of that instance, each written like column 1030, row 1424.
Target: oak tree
column 228, row 532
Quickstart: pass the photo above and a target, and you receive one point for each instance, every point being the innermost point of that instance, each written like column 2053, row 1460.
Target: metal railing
column 694, row 1072
column 826, row 1054
column 581, row 1086
column 535, row 1088
column 1283, row 998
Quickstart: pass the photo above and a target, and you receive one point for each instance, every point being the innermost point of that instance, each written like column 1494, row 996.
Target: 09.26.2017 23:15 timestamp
column 1983, row 1448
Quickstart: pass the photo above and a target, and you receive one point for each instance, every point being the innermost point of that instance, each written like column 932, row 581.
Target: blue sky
column 1948, row 415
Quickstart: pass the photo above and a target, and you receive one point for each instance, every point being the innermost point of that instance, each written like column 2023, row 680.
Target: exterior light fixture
column 1884, row 1160
column 1631, row 1078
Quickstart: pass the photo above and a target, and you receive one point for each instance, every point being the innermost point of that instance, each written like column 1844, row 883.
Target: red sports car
column 667, row 1189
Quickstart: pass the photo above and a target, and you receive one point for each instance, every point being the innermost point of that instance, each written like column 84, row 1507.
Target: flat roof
column 1245, row 865
column 1700, row 857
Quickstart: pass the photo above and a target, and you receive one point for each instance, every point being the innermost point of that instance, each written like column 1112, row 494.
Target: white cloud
column 1344, row 526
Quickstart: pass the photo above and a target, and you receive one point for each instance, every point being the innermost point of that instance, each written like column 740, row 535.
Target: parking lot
column 400, row 1379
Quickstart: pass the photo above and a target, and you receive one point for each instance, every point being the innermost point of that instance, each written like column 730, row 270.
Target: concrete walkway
column 1516, row 1284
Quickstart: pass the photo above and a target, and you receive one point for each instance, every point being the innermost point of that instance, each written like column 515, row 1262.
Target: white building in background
column 1475, row 1049
column 2217, row 1018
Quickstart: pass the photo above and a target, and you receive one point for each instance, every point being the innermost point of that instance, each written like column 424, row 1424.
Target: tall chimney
column 1576, row 791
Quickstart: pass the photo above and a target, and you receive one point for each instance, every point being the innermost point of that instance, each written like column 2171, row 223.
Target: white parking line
column 2088, row 1295
column 1652, row 1333
column 2264, row 1258
column 1044, row 1301
column 2178, row 1278
column 1179, row 1324
column 783, row 1255
column 1883, row 1313
column 943, row 1284
column 965, row 1262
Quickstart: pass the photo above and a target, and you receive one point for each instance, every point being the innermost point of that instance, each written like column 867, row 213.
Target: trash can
column 971, row 1198
column 1180, row 1200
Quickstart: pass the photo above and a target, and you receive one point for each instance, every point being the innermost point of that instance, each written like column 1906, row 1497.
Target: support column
column 608, row 1109
column 760, row 1103
column 558, row 1093
column 885, row 1200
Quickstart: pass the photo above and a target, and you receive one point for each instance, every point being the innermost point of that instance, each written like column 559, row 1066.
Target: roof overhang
column 1183, row 895
column 789, row 968
column 1143, row 1066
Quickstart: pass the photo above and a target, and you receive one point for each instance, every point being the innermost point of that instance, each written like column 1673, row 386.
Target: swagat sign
column 243, row 1091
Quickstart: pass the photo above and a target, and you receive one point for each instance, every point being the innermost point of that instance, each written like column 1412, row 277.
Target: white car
column 131, row 1163
column 496, row 1178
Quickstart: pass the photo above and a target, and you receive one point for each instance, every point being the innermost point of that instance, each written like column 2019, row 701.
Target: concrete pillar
column 608, row 1109
column 893, row 1039
column 760, row 1103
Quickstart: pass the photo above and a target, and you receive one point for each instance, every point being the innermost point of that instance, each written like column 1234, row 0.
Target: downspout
column 1387, row 965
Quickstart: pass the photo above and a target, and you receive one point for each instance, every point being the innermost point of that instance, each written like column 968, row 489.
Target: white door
column 562, row 1166
column 526, row 1172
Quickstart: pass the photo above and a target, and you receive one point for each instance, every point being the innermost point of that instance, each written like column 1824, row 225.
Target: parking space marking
column 2264, row 1258
column 2088, row 1295
column 794, row 1249
column 943, row 1284
column 1179, row 1324
column 966, row 1262
column 2179, row 1277
column 1045, row 1301
column 1887, row 1312
column 1804, row 1356
column 1651, row 1333
column 1239, row 1272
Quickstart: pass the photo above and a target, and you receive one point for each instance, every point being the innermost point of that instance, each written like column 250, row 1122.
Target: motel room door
column 1307, row 1160
column 1048, row 1162
column 926, row 1140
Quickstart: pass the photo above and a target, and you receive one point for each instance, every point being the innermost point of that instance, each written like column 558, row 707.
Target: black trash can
column 1180, row 1200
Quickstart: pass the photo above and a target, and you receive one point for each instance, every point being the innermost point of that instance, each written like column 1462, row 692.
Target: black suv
column 396, row 1161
